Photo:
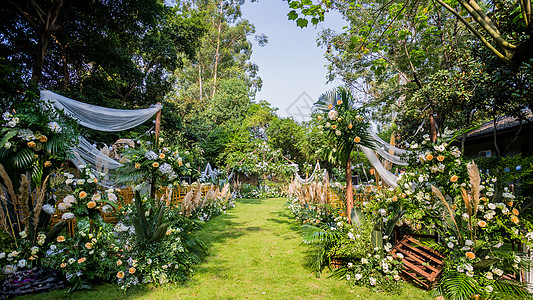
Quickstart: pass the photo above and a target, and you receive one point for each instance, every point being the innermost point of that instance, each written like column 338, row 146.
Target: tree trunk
column 433, row 128
column 217, row 54
column 349, row 189
column 38, row 59
column 200, row 81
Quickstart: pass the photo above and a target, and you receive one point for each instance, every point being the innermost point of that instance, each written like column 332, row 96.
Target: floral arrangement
column 84, row 199
column 268, row 189
column 114, row 255
column 35, row 139
column 262, row 161
column 347, row 248
column 149, row 162
column 440, row 193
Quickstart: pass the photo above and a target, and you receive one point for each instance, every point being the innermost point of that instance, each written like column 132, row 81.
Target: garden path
column 255, row 252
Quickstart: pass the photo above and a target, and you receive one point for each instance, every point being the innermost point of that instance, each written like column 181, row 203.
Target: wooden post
column 349, row 190
column 157, row 124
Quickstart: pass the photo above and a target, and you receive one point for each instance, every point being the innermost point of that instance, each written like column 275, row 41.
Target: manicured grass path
column 255, row 252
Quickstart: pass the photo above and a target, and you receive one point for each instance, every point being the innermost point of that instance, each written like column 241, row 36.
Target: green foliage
column 34, row 140
column 343, row 122
column 148, row 232
column 322, row 240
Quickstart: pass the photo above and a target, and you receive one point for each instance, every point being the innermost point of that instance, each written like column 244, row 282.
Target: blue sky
column 291, row 65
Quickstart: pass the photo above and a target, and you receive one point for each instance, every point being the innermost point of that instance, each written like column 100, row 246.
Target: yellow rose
column 319, row 118
column 162, row 155
column 350, row 126
column 91, row 204
column 31, row 144
column 470, row 255
column 482, row 224
column 63, row 265
column 514, row 219
column 339, row 102
column 81, row 260
column 137, row 165
column 429, row 157
column 515, row 211
column 60, row 238
column 119, row 262
column 334, row 127
column 155, row 165
column 454, row 178
column 330, row 106
column 82, row 195
column 131, row 270
column 120, row 275
column 47, row 164
column 440, row 158
column 43, row 139
column 357, row 139
column 89, row 246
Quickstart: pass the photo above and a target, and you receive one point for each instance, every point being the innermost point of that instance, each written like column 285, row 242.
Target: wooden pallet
column 422, row 265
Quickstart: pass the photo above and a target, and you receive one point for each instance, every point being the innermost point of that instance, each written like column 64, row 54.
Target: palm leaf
column 316, row 235
column 457, row 286
column 511, row 289
column 22, row 160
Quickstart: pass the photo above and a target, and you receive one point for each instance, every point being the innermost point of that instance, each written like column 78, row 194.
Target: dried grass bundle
column 211, row 195
column 3, row 217
column 225, row 192
column 24, row 202
column 168, row 197
column 186, row 204
column 439, row 195
column 196, row 198
column 39, row 195
column 475, row 181
column 7, row 182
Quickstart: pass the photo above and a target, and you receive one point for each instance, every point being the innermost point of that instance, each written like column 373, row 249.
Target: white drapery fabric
column 387, row 152
column 316, row 172
column 101, row 119
column 98, row 117
column 385, row 174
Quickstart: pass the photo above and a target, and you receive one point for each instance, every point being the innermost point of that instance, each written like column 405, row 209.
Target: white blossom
column 49, row 209
column 68, row 216
column 372, row 280
column 54, row 127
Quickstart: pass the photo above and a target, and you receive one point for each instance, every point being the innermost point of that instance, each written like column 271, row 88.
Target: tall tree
column 117, row 53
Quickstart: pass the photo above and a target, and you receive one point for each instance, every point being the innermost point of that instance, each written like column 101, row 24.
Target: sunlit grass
column 255, row 251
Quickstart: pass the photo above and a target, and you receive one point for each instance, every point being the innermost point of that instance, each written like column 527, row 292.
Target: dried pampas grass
column 23, row 200
column 39, row 195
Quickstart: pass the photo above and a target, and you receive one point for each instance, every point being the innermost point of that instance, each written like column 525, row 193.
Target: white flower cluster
column 26, row 134
column 49, row 209
column 167, row 170
column 151, row 155
column 54, row 127
column 11, row 121
column 466, row 267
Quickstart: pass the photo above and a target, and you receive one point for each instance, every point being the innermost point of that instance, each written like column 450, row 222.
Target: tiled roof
column 504, row 122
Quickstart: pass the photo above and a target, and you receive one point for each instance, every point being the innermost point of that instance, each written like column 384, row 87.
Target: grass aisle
column 255, row 252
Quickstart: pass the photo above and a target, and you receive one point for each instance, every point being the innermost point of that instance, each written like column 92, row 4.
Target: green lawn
column 255, row 251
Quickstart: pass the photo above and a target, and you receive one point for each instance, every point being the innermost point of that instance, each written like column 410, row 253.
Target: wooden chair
column 125, row 196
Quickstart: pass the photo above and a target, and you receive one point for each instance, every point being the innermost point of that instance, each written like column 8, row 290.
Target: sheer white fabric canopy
column 388, row 153
column 98, row 117
column 101, row 119
column 309, row 178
